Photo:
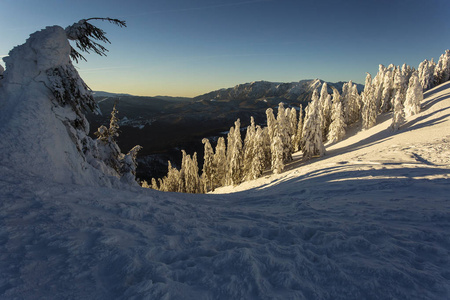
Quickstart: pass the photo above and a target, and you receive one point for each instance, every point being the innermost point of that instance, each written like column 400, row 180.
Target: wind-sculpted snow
column 370, row 220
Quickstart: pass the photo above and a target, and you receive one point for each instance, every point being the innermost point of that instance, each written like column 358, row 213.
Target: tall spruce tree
column 235, row 159
column 298, row 134
column 325, row 107
column 414, row 96
column 337, row 126
column 258, row 164
column 369, row 110
column 426, row 74
column 442, row 69
column 249, row 144
column 220, row 163
column 312, row 142
column 283, row 131
column 208, row 165
column 398, row 116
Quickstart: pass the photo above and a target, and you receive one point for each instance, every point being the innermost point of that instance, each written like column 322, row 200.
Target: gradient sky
column 187, row 48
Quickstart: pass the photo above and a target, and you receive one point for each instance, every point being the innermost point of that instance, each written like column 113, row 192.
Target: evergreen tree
column 173, row 182
column 85, row 35
column 398, row 116
column 249, row 144
column 426, row 74
column 355, row 104
column 337, row 126
column 369, row 111
column 414, row 96
column 108, row 150
column 154, row 184
column 388, row 87
column 266, row 147
column 220, row 163
column 346, row 100
column 283, row 131
column 189, row 174
column 377, row 85
column 235, row 159
column 277, row 153
column 293, row 124
column 442, row 69
column 129, row 165
column 312, row 142
column 271, row 121
column 208, row 165
column 325, row 107
column 258, row 164
column 400, row 84
column 298, row 134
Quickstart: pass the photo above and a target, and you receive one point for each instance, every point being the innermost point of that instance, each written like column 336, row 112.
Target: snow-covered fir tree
column 282, row 130
column 414, row 96
column 398, row 115
column 407, row 72
column 426, row 74
column 277, row 153
column 442, row 69
column 249, row 144
column 337, row 126
column 312, row 142
column 298, row 134
column 46, row 58
column 129, row 165
column 388, row 88
column 173, row 181
column 377, row 85
column 235, row 157
column 258, row 164
column 208, row 165
column 369, row 109
column 107, row 150
column 355, row 104
column 293, row 123
column 220, row 163
column 400, row 84
column 325, row 107
column 271, row 121
column 345, row 99
column 189, row 174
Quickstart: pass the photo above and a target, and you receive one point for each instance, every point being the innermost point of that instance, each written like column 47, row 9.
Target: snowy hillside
column 370, row 220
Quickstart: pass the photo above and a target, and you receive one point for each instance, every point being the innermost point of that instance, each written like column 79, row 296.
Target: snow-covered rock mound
column 370, row 220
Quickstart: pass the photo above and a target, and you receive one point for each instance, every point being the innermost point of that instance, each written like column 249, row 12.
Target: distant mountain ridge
column 292, row 91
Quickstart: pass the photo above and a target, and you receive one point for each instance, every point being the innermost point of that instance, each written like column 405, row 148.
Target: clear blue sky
column 186, row 48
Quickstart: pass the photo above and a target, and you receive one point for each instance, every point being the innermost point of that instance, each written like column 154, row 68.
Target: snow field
column 370, row 220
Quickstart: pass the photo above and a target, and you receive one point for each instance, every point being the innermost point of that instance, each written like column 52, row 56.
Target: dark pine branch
column 85, row 36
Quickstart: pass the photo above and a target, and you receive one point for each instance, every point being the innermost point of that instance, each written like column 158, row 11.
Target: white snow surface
column 370, row 220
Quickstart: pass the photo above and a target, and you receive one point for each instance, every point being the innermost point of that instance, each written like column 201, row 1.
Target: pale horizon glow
column 188, row 48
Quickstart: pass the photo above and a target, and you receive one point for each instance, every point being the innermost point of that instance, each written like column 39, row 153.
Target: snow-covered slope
column 371, row 220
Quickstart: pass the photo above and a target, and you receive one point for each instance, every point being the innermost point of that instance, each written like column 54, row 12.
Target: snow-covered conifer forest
column 347, row 198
